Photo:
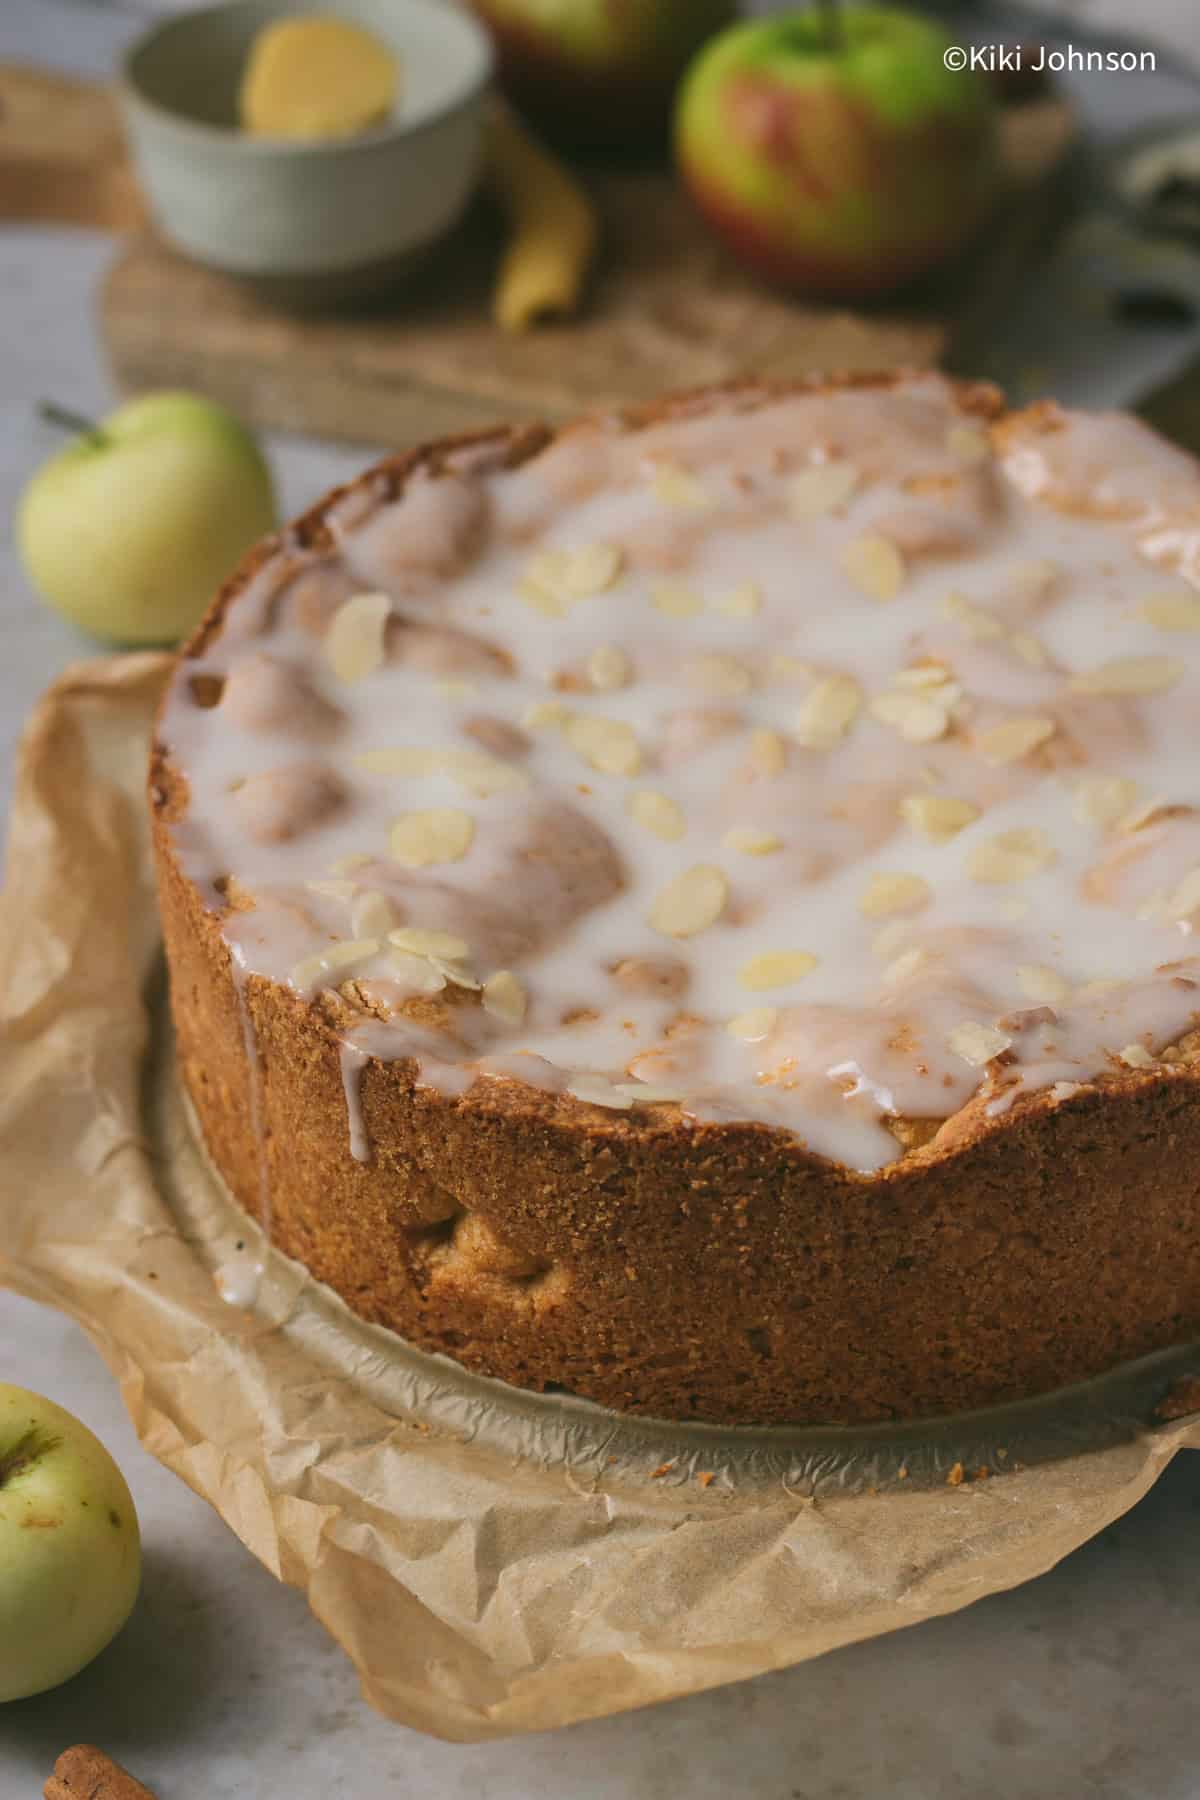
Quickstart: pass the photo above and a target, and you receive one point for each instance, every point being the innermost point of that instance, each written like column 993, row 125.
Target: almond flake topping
column 920, row 718
column 1138, row 817
column 472, row 769
column 976, row 622
column 555, row 579
column 657, row 813
column 1131, row 675
column 716, row 673
column 821, row 488
column 891, row 938
column 903, row 967
column 875, row 566
column 969, row 444
column 1011, row 856
column 977, row 1044
column 1185, row 900
column 597, row 1090
column 776, row 968
column 348, row 865
column 676, row 600
column 768, row 752
column 1173, row 612
column 894, row 893
column 1014, row 738
column 674, row 485
column 504, row 997
column 1033, row 580
column 417, row 973
column 753, row 1026
column 545, row 715
column 749, row 841
column 440, row 945
column 332, row 890
column 1103, row 799
column 608, row 745
column 1037, row 982
column 827, row 712
column 1136, row 1056
column 354, row 643
column 442, row 834
column 311, row 969
column 371, row 914
column 1030, row 649
column 609, row 667
column 743, row 602
column 691, row 903
column 939, row 817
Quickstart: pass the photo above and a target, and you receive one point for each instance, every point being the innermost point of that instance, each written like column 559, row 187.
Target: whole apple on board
column 70, row 1553
column 131, row 529
column 598, row 74
column 834, row 151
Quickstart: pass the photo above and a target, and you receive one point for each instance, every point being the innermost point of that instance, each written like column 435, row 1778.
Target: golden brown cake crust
column 709, row 1271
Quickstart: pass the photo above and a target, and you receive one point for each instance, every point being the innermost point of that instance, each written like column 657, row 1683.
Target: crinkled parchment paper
column 492, row 1562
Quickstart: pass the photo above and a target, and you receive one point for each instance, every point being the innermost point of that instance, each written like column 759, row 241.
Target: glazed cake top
column 819, row 758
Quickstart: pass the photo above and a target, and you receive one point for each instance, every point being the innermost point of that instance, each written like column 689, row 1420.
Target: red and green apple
column 834, row 150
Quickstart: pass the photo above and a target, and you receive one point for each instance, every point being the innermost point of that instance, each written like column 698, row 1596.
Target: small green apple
column 132, row 528
column 598, row 74
column 834, row 151
column 70, row 1553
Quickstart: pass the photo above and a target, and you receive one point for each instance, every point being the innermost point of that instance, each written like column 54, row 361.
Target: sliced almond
column 784, row 667
column 1173, row 612
column 821, row 488
column 504, row 997
column 920, row 718
column 975, row 621
column 657, row 813
column 903, row 967
column 554, row 580
column 1030, row 649
column 894, row 893
column 691, row 903
column 545, row 715
column 1185, row 900
column 977, row 1044
column 440, row 834
column 1011, row 856
column 329, row 961
column 608, row 745
column 1014, row 738
column 1143, row 814
column 676, row 600
column 354, row 643
column 416, row 973
column 1037, row 982
column 609, row 667
column 753, row 1026
column 372, row 914
column 875, row 566
column 676, row 486
column 748, row 840
column 333, row 890
column 1136, row 1056
column 768, row 751
column 1033, row 580
column 776, row 968
column 968, row 444
column 891, row 938
column 922, row 675
column 1103, row 799
column 827, row 712
column 742, row 602
column 443, row 945
column 593, row 570
column 939, row 817
column 717, row 673
column 348, row 865
column 1131, row 675
column 598, row 1090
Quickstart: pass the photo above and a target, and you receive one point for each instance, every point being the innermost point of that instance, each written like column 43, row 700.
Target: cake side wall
column 714, row 1272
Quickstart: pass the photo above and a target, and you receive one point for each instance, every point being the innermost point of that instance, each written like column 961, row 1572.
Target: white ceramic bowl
column 316, row 222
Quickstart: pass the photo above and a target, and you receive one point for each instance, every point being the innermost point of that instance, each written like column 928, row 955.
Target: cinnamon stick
column 85, row 1773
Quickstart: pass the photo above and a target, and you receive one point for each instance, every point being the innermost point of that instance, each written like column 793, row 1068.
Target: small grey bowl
column 312, row 223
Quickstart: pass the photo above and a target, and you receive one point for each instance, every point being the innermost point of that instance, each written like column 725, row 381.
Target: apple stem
column 831, row 24
column 66, row 420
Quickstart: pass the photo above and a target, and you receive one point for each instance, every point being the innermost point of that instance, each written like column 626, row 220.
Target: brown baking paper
column 493, row 1562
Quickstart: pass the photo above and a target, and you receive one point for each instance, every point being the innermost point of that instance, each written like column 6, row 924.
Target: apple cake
column 694, row 909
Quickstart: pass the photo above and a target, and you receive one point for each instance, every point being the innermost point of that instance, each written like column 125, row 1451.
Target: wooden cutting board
column 667, row 308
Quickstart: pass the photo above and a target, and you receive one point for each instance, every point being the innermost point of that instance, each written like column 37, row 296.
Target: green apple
column 834, row 151
column 599, row 74
column 130, row 530
column 70, row 1554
